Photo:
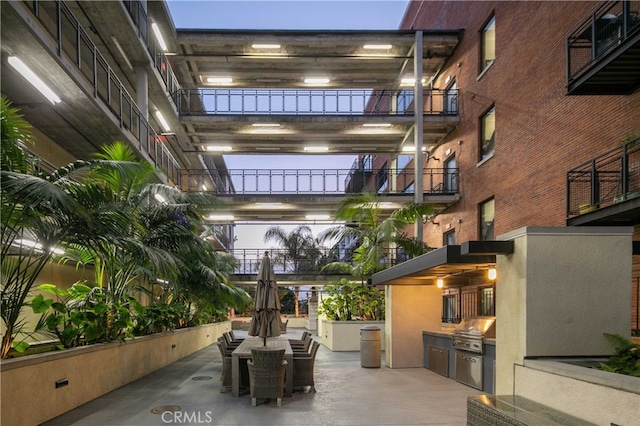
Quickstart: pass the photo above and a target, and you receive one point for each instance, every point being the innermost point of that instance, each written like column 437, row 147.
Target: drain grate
column 201, row 378
column 165, row 408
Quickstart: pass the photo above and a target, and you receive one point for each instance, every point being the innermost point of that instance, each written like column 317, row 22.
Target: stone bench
column 510, row 410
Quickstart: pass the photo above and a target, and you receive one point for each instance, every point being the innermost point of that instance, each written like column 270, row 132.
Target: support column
column 142, row 91
column 418, row 105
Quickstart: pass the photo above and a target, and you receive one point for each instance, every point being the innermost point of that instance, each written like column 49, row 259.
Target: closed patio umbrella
column 265, row 320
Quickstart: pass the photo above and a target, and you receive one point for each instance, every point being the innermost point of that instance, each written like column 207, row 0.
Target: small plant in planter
column 626, row 359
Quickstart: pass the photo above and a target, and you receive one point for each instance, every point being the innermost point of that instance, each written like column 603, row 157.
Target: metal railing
column 309, row 262
column 141, row 20
column 608, row 179
column 74, row 42
column 316, row 181
column 311, row 102
column 610, row 25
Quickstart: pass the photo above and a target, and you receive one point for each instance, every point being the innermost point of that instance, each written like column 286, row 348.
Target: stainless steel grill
column 469, row 333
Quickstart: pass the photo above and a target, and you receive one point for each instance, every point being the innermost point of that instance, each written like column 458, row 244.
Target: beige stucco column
column 558, row 293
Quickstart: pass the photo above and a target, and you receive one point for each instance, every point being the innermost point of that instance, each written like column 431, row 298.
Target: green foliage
column 626, row 359
column 349, row 301
column 160, row 317
column 82, row 314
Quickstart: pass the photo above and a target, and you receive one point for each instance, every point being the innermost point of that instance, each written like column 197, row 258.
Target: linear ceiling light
column 409, row 81
column 318, row 217
column 412, row 148
column 376, row 125
column 316, row 148
column 269, row 205
column 156, row 31
column 223, row 148
column 316, row 80
column 163, row 122
column 265, row 46
column 377, row 46
column 266, row 124
column 219, row 80
column 32, row 78
column 221, row 217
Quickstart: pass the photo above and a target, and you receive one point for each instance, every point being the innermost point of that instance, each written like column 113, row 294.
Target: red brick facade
column 541, row 132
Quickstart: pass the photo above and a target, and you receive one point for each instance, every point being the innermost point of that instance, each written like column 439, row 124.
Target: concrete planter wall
column 345, row 335
column 37, row 388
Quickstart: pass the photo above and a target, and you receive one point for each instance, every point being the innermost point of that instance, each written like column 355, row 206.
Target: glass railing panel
column 69, row 34
column 87, row 58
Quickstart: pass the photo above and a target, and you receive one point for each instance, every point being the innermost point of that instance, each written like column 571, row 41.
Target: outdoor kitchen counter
column 440, row 356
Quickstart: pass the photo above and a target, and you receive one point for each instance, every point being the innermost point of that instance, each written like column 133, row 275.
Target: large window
column 486, row 305
column 488, row 132
column 488, row 54
column 450, row 308
column 487, row 214
column 382, row 179
column 404, row 101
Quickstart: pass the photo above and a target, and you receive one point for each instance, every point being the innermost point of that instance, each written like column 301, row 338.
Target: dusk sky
column 287, row 15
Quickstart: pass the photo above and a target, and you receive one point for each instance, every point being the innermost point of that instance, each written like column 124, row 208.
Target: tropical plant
column 300, row 248
column 347, row 301
column 374, row 232
column 626, row 359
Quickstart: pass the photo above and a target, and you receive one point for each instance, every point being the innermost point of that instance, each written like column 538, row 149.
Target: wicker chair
column 303, row 365
column 227, row 350
column 302, row 347
column 283, row 329
column 231, row 343
column 266, row 374
column 225, row 377
column 301, row 340
column 233, row 336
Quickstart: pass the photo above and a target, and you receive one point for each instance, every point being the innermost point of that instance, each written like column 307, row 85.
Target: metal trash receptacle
column 370, row 349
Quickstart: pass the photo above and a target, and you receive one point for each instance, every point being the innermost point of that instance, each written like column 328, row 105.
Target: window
column 450, row 238
column 382, row 178
column 451, row 98
column 409, row 189
column 367, row 163
column 403, row 160
column 486, row 305
column 488, row 54
column 488, row 130
column 449, row 311
column 404, row 101
column 487, row 213
column 450, row 175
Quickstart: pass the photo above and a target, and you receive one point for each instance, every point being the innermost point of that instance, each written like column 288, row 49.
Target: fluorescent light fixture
column 160, row 198
column 223, row 148
column 269, row 205
column 121, row 50
column 377, row 46
column 376, row 125
column 163, row 122
column 161, row 281
column 316, row 148
column 221, row 217
column 265, row 46
column 25, row 242
column 266, row 124
column 219, row 80
column 409, row 81
column 316, row 80
column 32, row 78
column 204, row 187
column 318, row 217
column 412, row 148
column 156, row 31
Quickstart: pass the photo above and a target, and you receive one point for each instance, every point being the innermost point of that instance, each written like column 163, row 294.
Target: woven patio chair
column 303, row 366
column 283, row 329
column 302, row 347
column 266, row 374
column 230, row 342
column 227, row 350
column 225, row 377
column 301, row 340
column 233, row 336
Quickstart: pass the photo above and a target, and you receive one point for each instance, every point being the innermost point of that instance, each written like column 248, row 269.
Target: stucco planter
column 345, row 335
column 37, row 388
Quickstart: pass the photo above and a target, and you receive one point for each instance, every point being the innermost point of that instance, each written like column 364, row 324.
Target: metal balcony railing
column 312, row 102
column 608, row 179
column 309, row 262
column 316, row 181
column 610, row 25
column 74, row 42
column 160, row 61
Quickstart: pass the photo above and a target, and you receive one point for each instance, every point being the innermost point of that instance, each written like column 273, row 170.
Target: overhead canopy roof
column 338, row 55
column 456, row 264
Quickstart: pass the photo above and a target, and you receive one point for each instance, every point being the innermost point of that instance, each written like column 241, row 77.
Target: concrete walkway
column 347, row 394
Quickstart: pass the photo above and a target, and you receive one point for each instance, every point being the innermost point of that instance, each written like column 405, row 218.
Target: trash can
column 370, row 350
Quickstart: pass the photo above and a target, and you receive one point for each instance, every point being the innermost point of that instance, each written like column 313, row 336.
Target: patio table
column 244, row 351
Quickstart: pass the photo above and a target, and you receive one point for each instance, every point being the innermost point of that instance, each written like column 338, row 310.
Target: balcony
column 606, row 189
column 603, row 53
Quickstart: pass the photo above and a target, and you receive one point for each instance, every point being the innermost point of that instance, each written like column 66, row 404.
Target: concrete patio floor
column 347, row 394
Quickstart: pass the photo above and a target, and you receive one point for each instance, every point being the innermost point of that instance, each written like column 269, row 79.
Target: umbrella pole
column 264, row 339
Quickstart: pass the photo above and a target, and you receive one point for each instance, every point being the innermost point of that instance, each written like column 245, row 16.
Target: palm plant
column 300, row 247
column 374, row 233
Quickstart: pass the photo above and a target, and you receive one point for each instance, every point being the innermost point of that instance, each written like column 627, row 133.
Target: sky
column 286, row 15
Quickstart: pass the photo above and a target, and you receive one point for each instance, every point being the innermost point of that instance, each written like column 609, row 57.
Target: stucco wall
column 28, row 391
column 345, row 335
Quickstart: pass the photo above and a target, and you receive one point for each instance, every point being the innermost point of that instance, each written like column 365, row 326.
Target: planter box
column 37, row 388
column 345, row 335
